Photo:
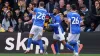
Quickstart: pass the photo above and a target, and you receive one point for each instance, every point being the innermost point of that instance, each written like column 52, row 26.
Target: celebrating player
column 37, row 28
column 74, row 20
column 58, row 31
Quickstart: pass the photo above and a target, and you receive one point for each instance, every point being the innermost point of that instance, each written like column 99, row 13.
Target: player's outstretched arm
column 54, row 25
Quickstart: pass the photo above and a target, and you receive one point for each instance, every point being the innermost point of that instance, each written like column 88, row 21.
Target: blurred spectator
column 6, row 4
column 27, row 27
column 62, row 6
column 17, row 14
column 1, row 5
column 20, row 25
column 15, row 6
column 51, row 5
column 22, row 5
column 83, row 26
column 72, row 1
column 98, row 0
column 80, row 3
column 8, row 21
column 47, row 21
column 97, row 14
column 3, row 13
column 68, row 8
column 10, row 29
column 35, row 1
column 32, row 5
column 63, row 23
column 5, row 9
column 97, row 6
column 1, row 28
column 27, row 2
column 84, row 10
column 92, row 28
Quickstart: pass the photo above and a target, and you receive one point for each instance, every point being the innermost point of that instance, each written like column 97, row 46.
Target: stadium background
column 89, row 11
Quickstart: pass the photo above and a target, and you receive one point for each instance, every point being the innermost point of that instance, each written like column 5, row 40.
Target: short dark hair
column 41, row 3
column 57, row 8
column 33, row 4
column 83, row 6
column 10, row 27
column 74, row 7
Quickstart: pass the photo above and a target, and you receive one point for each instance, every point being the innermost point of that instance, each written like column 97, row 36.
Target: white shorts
column 37, row 31
column 59, row 37
column 72, row 37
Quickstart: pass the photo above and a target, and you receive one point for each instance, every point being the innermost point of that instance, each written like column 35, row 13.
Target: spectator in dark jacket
column 62, row 6
column 27, row 27
column 20, row 25
column 51, row 5
column 17, row 14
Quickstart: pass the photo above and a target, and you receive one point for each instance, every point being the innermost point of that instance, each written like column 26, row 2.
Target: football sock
column 38, row 42
column 75, row 46
column 69, row 46
column 29, row 42
column 41, row 44
column 56, row 48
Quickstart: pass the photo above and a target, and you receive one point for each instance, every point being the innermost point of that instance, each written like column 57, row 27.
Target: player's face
column 55, row 11
column 61, row 15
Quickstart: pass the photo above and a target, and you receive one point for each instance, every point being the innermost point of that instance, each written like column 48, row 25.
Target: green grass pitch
column 20, row 54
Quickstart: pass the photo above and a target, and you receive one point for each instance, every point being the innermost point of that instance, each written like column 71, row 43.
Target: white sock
column 27, row 49
column 41, row 51
column 76, row 53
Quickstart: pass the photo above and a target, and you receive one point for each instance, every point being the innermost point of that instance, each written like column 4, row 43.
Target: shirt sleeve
column 56, row 24
column 35, row 9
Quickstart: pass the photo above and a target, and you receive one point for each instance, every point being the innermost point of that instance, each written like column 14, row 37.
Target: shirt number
column 41, row 16
column 75, row 20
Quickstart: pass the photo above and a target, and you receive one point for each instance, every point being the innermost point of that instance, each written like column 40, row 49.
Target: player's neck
column 40, row 7
column 73, row 10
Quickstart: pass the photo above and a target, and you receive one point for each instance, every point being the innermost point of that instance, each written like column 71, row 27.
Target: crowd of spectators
column 14, row 14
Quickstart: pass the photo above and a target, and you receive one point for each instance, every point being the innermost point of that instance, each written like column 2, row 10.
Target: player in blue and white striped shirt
column 58, row 31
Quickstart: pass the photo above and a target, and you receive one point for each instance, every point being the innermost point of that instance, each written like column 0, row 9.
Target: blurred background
column 13, row 14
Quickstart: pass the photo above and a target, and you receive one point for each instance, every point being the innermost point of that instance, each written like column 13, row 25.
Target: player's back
column 75, row 20
column 40, row 16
